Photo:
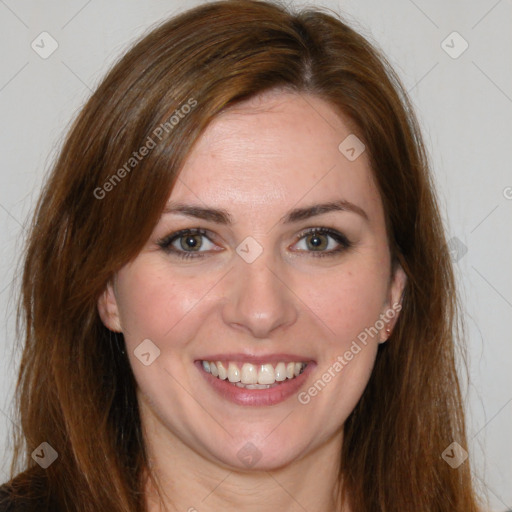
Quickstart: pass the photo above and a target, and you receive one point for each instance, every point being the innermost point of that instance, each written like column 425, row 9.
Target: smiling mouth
column 254, row 376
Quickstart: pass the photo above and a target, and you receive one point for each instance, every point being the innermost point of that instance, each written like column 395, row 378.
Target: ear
column 108, row 310
column 393, row 303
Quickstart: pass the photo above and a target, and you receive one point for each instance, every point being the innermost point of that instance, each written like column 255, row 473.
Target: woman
column 237, row 293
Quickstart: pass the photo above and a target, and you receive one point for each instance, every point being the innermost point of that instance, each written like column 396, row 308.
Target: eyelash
column 166, row 242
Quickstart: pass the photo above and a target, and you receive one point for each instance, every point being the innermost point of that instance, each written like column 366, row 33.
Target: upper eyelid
column 171, row 237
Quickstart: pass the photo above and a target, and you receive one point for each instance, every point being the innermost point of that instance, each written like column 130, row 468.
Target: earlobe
column 108, row 310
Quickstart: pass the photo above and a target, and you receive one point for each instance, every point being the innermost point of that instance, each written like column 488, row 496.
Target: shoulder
column 7, row 502
column 23, row 494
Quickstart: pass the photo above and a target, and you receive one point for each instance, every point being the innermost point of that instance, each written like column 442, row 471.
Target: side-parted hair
column 99, row 205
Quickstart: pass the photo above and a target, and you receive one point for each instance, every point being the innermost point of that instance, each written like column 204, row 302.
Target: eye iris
column 191, row 239
column 316, row 242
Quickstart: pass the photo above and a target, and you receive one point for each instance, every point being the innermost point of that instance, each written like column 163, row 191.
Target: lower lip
column 256, row 397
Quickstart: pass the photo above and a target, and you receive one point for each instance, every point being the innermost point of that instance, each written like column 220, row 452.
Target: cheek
column 152, row 302
column 348, row 300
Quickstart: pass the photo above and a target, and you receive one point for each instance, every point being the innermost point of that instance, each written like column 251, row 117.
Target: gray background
column 464, row 105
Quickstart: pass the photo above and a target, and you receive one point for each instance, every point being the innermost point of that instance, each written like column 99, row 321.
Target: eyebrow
column 221, row 216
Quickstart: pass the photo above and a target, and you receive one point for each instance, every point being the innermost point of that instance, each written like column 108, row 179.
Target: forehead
column 274, row 151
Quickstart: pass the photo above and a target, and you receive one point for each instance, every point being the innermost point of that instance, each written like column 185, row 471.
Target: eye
column 187, row 243
column 316, row 241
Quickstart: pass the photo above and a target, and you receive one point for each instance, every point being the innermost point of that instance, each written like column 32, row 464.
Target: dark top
column 7, row 504
column 27, row 492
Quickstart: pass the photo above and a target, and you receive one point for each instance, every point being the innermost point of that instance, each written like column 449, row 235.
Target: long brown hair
column 76, row 390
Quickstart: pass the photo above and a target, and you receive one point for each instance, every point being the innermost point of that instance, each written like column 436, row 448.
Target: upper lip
column 257, row 359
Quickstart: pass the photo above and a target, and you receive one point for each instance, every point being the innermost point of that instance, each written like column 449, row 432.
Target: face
column 288, row 298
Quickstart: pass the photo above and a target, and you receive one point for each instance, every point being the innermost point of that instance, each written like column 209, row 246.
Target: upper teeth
column 253, row 374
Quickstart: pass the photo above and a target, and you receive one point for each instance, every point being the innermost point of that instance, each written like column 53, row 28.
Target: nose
column 259, row 298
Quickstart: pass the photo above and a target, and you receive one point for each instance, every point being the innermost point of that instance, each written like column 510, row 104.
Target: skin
column 276, row 152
